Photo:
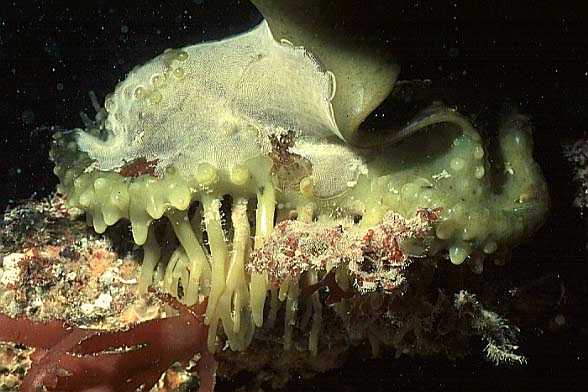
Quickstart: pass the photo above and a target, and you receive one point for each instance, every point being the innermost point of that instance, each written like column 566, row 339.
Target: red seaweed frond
column 72, row 359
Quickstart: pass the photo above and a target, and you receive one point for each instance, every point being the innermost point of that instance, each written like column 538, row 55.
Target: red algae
column 72, row 359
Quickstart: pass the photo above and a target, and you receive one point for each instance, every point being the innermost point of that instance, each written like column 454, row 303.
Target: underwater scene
column 293, row 195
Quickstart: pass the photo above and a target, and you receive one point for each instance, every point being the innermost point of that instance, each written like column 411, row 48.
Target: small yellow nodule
column 239, row 175
column 155, row 97
column 458, row 254
column 179, row 196
column 306, row 187
column 140, row 92
column 157, row 80
column 100, row 184
column 179, row 73
column 206, row 175
column 109, row 104
column 182, row 56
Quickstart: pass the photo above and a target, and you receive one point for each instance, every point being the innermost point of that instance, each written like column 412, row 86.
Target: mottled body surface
column 214, row 103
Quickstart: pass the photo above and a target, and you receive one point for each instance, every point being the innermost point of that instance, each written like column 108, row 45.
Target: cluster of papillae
column 227, row 161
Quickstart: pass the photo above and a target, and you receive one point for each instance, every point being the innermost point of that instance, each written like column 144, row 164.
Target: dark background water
column 527, row 54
